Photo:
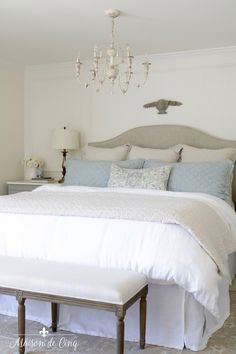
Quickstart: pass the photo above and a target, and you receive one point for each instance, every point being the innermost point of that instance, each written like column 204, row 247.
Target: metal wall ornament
column 113, row 62
column 162, row 105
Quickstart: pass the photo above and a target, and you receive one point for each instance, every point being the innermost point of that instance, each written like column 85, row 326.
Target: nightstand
column 23, row 186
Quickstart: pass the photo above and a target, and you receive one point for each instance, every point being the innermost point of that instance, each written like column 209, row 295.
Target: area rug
column 222, row 342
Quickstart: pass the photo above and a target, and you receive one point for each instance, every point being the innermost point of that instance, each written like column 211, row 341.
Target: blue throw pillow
column 213, row 178
column 94, row 173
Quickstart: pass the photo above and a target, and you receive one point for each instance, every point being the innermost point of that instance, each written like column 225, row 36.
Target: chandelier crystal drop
column 112, row 63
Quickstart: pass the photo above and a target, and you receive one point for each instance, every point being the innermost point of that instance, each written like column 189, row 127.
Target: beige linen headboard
column 164, row 136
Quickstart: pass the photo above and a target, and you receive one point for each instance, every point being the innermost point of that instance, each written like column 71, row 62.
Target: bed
column 179, row 315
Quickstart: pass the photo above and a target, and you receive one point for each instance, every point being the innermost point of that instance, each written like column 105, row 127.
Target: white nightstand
column 23, row 186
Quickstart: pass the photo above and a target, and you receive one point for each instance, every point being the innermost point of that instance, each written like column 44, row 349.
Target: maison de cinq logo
column 45, row 340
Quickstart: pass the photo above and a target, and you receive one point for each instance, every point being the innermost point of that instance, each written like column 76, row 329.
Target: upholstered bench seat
column 90, row 283
column 107, row 289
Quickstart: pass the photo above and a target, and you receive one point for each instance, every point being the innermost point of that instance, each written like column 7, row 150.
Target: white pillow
column 193, row 154
column 168, row 155
column 148, row 178
column 112, row 154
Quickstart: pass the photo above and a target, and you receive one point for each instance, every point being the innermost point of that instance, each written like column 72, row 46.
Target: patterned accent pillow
column 149, row 178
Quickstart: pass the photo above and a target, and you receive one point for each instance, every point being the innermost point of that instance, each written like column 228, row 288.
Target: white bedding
column 199, row 219
column 165, row 252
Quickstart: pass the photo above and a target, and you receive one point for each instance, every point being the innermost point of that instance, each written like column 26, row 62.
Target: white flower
column 33, row 162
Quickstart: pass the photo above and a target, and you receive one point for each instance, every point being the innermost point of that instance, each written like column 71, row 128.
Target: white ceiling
column 45, row 31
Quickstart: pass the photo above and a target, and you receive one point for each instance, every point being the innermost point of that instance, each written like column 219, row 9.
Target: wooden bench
column 57, row 283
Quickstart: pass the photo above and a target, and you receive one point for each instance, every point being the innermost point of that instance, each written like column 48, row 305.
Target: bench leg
column 21, row 325
column 120, row 334
column 54, row 309
column 143, row 314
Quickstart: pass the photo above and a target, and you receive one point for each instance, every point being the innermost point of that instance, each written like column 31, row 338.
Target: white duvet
column 166, row 253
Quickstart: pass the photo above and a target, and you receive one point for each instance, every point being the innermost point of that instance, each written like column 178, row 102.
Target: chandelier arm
column 123, row 90
column 102, row 79
column 145, row 73
column 78, row 66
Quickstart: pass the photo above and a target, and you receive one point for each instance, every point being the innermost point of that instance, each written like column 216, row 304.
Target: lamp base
column 64, row 153
column 61, row 180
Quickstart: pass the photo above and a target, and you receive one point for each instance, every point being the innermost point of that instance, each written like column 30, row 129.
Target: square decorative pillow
column 193, row 154
column 168, row 155
column 106, row 154
column 149, row 178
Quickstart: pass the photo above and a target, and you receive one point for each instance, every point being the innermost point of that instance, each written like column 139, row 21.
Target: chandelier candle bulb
column 95, row 51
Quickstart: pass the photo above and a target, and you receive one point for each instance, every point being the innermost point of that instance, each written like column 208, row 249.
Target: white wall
column 11, row 123
column 205, row 81
column 53, row 99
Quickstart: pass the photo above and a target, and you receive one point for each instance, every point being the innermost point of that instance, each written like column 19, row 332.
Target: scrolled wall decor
column 162, row 105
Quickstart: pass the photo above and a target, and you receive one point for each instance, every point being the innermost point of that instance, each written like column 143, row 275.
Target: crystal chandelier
column 113, row 63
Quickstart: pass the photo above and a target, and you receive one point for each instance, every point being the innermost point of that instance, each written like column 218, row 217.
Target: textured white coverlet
column 164, row 252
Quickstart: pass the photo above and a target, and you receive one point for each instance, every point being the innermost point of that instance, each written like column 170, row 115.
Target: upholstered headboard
column 164, row 136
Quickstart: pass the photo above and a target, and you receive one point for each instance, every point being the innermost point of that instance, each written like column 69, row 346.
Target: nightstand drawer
column 17, row 188
column 24, row 186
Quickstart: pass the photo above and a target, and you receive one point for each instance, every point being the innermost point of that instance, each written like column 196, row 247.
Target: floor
column 223, row 342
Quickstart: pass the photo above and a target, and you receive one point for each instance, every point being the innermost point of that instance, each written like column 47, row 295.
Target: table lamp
column 65, row 140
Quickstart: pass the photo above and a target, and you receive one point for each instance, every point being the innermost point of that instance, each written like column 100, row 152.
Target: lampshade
column 67, row 139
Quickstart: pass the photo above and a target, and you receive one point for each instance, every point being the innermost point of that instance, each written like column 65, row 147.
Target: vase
column 30, row 172
column 39, row 172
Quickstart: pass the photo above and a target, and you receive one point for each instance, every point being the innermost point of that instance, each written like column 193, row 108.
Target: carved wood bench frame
column 119, row 310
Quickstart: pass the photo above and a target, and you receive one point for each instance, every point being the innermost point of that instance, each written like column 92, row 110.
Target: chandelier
column 112, row 63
